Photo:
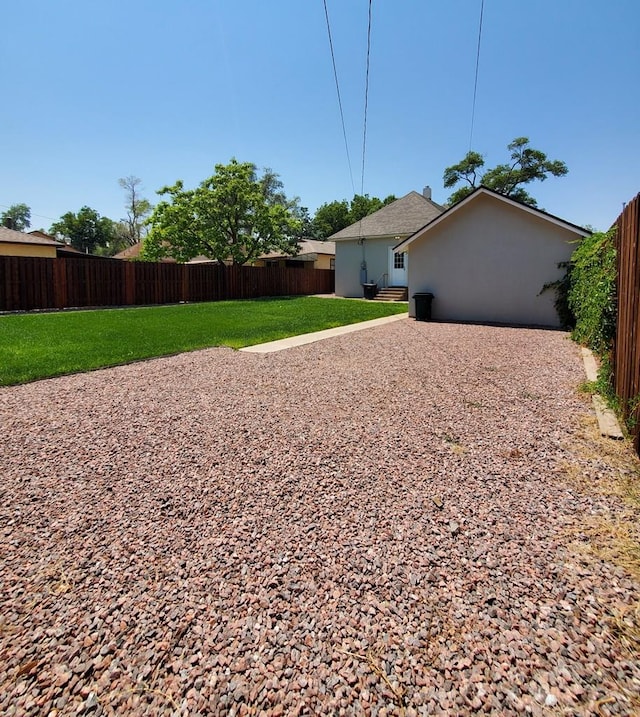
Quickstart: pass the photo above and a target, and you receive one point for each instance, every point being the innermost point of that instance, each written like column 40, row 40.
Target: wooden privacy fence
column 28, row 283
column 626, row 351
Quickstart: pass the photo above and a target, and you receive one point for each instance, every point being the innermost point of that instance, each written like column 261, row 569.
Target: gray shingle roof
column 400, row 218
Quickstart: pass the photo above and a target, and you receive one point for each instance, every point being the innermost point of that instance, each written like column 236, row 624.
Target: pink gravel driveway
column 374, row 524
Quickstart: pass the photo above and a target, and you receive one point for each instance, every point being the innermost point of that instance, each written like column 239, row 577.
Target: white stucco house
column 486, row 259
column 365, row 250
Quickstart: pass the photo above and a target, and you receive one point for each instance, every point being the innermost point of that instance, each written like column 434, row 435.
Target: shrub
column 592, row 291
column 561, row 302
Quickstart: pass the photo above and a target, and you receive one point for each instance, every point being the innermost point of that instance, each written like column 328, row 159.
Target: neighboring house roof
column 11, row 236
column 308, row 249
column 202, row 260
column 404, row 216
column 133, row 252
column 43, row 235
column 485, row 191
column 62, row 249
column 68, row 250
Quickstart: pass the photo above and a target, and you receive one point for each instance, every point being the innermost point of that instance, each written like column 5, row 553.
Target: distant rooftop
column 400, row 218
column 307, row 247
column 36, row 239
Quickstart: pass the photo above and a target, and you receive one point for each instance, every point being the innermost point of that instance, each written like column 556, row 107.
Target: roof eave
column 376, row 236
column 31, row 243
column 405, row 243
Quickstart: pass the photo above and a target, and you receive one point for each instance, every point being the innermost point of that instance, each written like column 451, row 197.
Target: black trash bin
column 370, row 291
column 423, row 306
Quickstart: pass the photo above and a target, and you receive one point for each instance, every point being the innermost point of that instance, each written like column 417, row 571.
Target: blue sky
column 94, row 91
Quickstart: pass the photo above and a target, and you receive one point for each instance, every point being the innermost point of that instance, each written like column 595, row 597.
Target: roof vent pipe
column 426, row 192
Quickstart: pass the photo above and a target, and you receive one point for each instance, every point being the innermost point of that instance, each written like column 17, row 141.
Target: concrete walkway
column 292, row 341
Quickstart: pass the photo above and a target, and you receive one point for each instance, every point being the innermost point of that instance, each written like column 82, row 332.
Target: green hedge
column 592, row 298
column 592, row 291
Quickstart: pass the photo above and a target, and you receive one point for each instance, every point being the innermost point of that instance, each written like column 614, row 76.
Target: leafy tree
column 334, row 216
column 362, row 205
column 526, row 165
column 273, row 189
column 138, row 209
column 20, row 215
column 307, row 227
column 234, row 215
column 118, row 242
column 274, row 194
column 86, row 230
column 331, row 217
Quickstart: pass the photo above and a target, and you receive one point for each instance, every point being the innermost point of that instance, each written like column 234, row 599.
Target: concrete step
column 392, row 293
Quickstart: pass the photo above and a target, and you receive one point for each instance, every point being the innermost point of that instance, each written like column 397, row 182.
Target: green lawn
column 34, row 346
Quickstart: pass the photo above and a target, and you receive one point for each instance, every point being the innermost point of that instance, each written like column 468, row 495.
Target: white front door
column 398, row 268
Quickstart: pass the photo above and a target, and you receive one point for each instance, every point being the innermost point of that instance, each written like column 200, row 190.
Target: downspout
column 363, row 263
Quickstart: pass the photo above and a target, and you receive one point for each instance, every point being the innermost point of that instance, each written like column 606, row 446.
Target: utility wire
column 475, row 85
column 335, row 74
column 42, row 216
column 366, row 101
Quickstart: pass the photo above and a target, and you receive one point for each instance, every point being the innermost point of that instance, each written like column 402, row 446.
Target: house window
column 332, row 263
column 398, row 261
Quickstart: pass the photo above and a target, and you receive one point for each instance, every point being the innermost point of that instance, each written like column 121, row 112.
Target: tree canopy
column 526, row 165
column 20, row 215
column 233, row 216
column 86, row 230
column 138, row 209
column 331, row 217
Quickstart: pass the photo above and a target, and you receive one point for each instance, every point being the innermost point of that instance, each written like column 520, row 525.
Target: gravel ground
column 375, row 524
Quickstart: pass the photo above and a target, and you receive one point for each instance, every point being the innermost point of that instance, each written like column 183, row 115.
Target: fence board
column 28, row 283
column 626, row 351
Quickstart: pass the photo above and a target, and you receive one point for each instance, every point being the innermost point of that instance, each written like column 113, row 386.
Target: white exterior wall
column 488, row 263
column 349, row 256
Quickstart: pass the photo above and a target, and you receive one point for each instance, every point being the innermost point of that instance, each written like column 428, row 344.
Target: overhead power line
column 335, row 74
column 475, row 84
column 42, row 216
column 366, row 101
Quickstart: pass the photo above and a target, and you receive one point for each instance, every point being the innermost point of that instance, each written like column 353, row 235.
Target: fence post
column 184, row 293
column 130, row 283
column 60, row 294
